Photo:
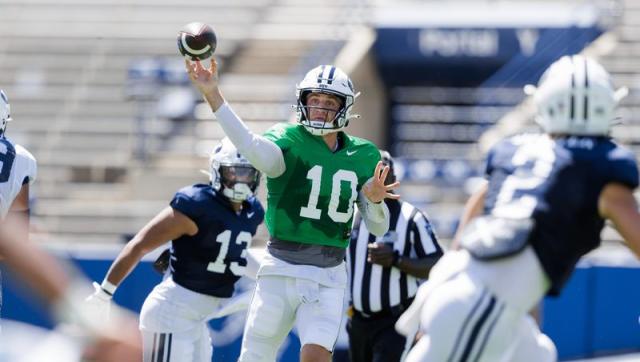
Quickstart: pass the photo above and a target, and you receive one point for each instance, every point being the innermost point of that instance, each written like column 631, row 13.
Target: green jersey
column 312, row 201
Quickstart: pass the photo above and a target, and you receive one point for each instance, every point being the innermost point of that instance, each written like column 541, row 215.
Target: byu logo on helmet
column 575, row 96
column 325, row 79
column 232, row 173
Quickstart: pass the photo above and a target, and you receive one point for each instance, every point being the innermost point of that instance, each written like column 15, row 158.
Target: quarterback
column 315, row 173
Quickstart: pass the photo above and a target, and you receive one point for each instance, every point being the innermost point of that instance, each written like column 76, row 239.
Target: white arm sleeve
column 263, row 154
column 375, row 216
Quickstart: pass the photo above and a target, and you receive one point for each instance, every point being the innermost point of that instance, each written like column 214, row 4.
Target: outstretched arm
column 617, row 204
column 169, row 224
column 263, row 154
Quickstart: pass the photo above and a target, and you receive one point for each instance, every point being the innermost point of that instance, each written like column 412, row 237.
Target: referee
column 384, row 275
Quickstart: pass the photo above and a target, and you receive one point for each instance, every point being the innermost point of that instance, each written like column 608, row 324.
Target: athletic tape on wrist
column 108, row 287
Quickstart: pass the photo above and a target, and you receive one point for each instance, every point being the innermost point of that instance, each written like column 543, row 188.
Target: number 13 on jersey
column 312, row 210
column 224, row 238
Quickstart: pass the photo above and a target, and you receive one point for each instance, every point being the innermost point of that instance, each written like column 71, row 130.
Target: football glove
column 99, row 302
column 162, row 263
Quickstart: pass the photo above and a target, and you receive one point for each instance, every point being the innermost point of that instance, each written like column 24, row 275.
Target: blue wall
column 597, row 313
column 469, row 57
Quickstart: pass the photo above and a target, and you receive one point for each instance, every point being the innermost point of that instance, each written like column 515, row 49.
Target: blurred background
column 100, row 97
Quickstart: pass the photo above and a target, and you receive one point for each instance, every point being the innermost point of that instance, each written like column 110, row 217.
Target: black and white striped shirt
column 375, row 288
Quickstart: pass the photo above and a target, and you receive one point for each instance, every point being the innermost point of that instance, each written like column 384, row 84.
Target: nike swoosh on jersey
column 250, row 215
column 349, row 153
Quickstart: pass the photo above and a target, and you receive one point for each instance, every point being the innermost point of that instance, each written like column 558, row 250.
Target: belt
column 392, row 312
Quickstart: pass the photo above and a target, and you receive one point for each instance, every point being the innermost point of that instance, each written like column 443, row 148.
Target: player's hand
column 375, row 190
column 99, row 302
column 380, row 253
column 204, row 78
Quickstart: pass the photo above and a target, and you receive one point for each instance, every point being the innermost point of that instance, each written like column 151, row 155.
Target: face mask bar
column 306, row 111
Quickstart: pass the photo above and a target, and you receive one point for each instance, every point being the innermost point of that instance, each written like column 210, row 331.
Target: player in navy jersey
column 210, row 228
column 544, row 206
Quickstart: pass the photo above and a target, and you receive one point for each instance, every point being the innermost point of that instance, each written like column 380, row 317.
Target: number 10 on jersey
column 311, row 211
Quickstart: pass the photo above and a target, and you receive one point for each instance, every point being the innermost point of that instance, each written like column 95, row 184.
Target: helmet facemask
column 335, row 119
column 239, row 181
column 232, row 174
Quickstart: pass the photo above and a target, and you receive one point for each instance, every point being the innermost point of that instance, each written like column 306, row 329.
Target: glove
column 99, row 303
column 162, row 263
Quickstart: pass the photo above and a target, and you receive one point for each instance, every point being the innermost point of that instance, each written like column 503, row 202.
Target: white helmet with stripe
column 326, row 79
column 231, row 173
column 5, row 112
column 575, row 96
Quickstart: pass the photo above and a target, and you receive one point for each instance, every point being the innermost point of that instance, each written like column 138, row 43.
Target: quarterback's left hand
column 375, row 190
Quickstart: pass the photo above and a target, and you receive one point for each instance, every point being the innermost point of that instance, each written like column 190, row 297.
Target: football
column 197, row 41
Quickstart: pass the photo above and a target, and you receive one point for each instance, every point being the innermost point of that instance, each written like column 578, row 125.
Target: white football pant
column 477, row 311
column 278, row 303
column 173, row 322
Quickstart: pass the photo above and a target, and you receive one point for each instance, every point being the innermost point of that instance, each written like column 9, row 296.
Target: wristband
column 108, row 288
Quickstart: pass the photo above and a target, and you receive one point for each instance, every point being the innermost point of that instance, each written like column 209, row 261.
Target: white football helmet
column 575, row 96
column 5, row 112
column 326, row 79
column 230, row 172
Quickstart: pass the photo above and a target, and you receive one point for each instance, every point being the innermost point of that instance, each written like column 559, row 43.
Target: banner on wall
column 465, row 57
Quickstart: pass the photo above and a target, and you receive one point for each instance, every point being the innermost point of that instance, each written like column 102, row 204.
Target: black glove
column 162, row 263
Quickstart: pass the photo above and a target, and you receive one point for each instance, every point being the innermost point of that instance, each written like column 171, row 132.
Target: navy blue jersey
column 557, row 183
column 211, row 261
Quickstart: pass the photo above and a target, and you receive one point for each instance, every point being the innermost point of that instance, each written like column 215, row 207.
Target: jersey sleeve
column 375, row 157
column 369, row 159
column 186, row 202
column 623, row 167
